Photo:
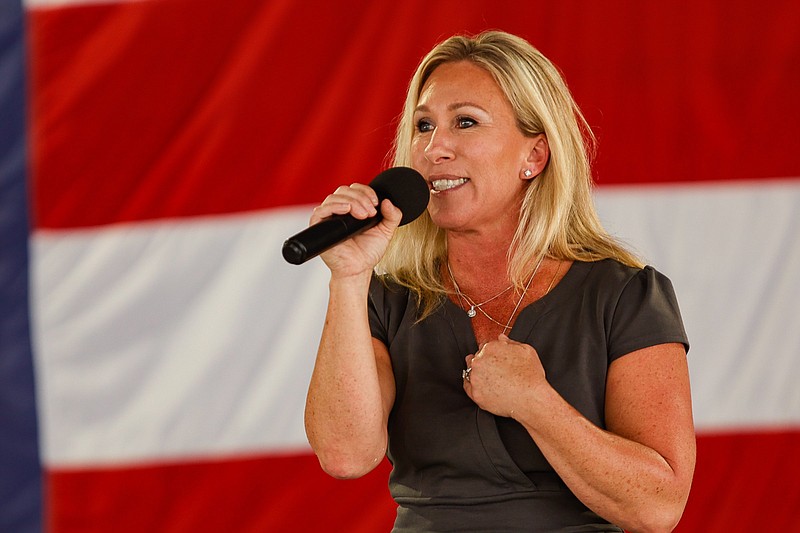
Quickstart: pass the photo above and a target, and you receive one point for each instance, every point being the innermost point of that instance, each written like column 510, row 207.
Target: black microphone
column 405, row 187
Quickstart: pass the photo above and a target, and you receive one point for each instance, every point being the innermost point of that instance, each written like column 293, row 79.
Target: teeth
column 443, row 185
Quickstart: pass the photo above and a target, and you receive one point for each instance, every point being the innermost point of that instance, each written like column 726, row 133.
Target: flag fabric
column 155, row 154
column 20, row 470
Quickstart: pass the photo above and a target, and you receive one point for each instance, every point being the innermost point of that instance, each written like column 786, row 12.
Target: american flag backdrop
column 154, row 155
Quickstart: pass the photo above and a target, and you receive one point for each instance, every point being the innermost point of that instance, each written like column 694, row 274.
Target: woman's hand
column 503, row 373
column 648, row 442
column 361, row 253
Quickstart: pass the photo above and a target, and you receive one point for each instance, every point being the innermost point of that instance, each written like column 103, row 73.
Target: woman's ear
column 537, row 158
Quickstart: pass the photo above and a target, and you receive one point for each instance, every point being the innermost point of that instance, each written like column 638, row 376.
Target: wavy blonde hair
column 557, row 217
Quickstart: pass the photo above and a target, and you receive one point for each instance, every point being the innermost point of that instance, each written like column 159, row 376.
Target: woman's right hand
column 361, row 253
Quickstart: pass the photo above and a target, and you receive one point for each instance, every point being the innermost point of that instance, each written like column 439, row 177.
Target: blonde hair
column 557, row 217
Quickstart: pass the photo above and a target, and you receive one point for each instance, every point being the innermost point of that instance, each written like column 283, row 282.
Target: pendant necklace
column 473, row 306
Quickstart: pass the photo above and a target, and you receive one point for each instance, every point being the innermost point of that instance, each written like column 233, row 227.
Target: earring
column 528, row 173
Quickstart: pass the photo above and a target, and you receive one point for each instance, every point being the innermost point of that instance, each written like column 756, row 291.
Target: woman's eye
column 465, row 122
column 423, row 126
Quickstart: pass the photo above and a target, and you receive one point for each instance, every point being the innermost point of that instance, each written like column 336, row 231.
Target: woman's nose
column 439, row 147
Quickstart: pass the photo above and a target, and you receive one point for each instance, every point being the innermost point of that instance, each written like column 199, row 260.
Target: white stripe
column 172, row 339
column 194, row 338
column 733, row 254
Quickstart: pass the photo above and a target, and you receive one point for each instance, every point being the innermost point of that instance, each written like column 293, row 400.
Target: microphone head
column 407, row 190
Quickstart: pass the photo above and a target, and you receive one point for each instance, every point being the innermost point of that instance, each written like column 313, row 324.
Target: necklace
column 472, row 305
column 471, row 313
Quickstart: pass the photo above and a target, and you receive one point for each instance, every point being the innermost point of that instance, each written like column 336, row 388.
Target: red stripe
column 743, row 482
column 288, row 493
column 145, row 110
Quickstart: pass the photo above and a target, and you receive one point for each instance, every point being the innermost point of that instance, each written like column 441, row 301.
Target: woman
column 522, row 371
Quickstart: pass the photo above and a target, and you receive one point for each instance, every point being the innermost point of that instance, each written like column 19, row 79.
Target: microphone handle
column 325, row 234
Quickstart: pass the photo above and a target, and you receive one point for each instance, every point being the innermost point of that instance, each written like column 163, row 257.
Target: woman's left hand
column 503, row 373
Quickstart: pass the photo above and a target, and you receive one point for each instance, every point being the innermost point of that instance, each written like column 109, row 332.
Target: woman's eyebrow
column 451, row 107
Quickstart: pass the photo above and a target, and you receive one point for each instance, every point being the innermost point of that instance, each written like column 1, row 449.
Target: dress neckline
column 531, row 313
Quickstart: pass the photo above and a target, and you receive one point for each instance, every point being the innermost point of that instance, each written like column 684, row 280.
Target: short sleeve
column 646, row 314
column 387, row 306
column 377, row 311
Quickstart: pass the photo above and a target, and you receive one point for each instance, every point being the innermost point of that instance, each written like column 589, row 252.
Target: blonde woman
column 520, row 368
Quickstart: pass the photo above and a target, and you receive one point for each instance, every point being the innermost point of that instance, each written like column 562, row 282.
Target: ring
column 465, row 373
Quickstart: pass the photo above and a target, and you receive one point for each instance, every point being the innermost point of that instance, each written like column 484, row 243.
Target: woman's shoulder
column 611, row 270
column 391, row 307
column 386, row 291
column 612, row 276
column 640, row 306
column 387, row 284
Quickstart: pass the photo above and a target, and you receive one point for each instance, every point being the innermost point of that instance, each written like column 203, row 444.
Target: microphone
column 405, row 187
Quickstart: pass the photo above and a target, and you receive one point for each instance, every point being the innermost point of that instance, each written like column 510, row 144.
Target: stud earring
column 528, row 173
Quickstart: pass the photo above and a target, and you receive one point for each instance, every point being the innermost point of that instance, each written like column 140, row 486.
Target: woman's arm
column 352, row 386
column 351, row 390
column 637, row 473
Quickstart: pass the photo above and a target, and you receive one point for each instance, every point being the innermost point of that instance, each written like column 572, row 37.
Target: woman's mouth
column 447, row 184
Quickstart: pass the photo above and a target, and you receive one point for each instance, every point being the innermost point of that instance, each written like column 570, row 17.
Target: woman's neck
column 479, row 259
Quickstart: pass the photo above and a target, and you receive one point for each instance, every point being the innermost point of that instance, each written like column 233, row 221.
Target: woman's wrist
column 350, row 282
column 539, row 400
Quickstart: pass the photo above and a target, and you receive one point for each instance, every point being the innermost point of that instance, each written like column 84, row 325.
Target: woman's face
column 468, row 147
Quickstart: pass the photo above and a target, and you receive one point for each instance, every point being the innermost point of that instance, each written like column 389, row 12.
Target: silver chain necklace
column 473, row 306
column 469, row 301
